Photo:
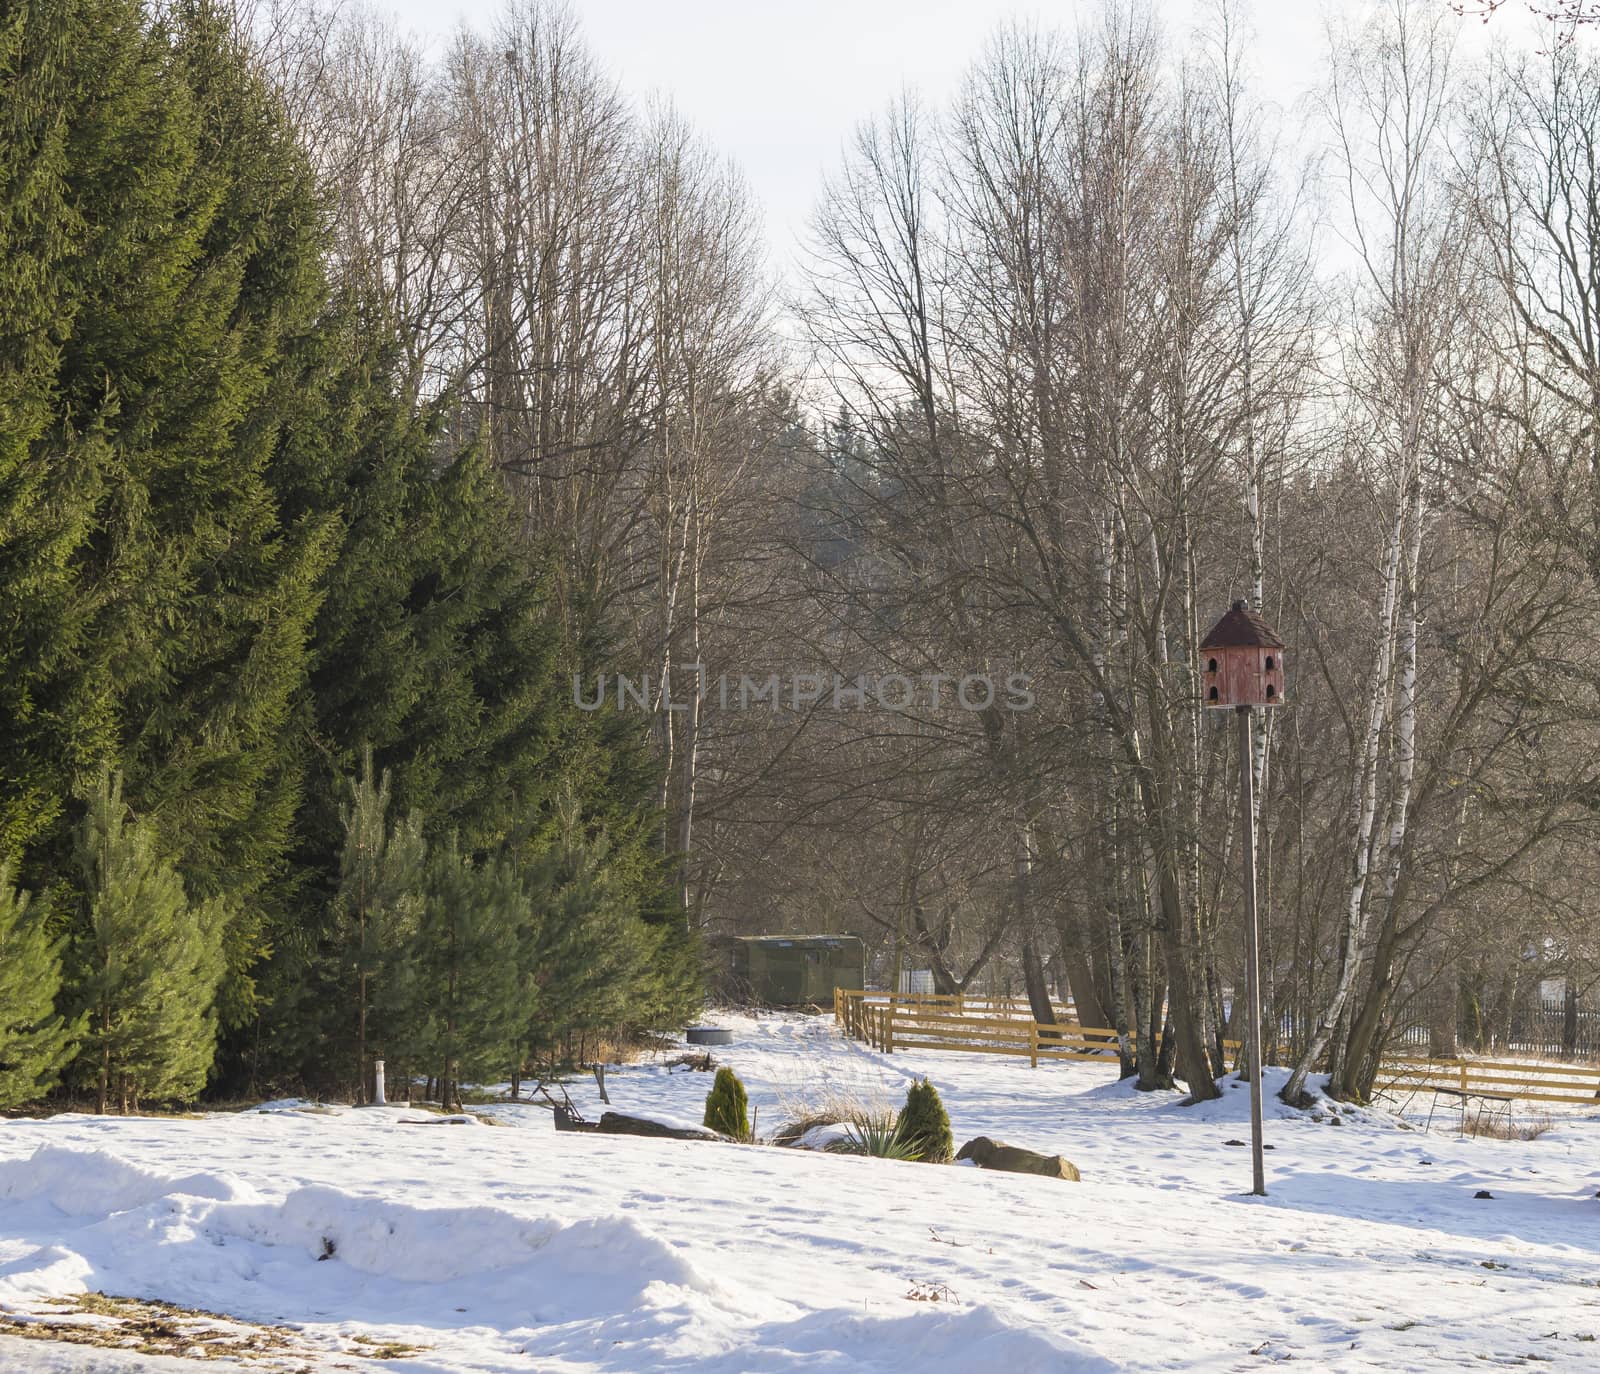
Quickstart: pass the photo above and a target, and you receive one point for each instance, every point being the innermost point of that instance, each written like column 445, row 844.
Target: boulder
column 1013, row 1159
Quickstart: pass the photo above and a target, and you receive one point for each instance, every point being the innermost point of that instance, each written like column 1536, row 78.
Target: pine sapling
column 925, row 1125
column 35, row 1042
column 727, row 1106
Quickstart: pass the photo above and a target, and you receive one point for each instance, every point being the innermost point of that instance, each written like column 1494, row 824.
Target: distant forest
column 364, row 404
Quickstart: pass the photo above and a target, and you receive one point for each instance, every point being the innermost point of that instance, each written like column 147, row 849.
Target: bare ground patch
column 148, row 1327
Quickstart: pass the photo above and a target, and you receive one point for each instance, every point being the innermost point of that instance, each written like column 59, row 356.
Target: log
column 616, row 1123
column 619, row 1123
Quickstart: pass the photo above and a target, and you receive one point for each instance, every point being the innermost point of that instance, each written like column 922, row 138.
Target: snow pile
column 525, row 1248
column 208, row 1240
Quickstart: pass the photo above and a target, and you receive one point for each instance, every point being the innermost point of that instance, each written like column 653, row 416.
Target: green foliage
column 377, row 914
column 237, row 552
column 470, row 1002
column 162, row 250
column 727, row 1107
column 925, row 1124
column 35, row 1042
column 880, row 1139
column 593, row 962
column 151, row 961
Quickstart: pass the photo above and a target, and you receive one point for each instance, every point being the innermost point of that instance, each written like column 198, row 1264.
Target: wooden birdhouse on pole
column 1242, row 659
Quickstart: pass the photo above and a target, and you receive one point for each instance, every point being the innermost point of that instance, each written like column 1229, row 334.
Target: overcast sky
column 779, row 85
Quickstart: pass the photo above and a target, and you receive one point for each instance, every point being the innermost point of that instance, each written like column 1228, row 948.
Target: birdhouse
column 1242, row 659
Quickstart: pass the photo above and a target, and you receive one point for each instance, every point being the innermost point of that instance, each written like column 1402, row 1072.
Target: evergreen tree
column 35, row 1042
column 432, row 647
column 219, row 589
column 377, row 912
column 235, row 550
column 467, row 954
column 592, row 961
column 151, row 960
column 925, row 1125
column 161, row 288
column 43, row 509
column 73, row 79
column 728, row 1106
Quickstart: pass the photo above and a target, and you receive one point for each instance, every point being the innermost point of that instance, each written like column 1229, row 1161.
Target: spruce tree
column 73, row 79
column 50, row 704
column 151, row 961
column 219, row 587
column 161, row 290
column 36, row 1042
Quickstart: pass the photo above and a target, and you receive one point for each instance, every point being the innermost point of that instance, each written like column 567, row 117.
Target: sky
column 780, row 85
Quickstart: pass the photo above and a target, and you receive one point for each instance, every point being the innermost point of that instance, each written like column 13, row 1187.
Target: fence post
column 1463, row 1075
column 1033, row 1044
column 888, row 1031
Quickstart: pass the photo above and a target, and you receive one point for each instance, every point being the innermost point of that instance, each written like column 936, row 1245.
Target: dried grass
column 160, row 1328
column 1499, row 1126
column 831, row 1105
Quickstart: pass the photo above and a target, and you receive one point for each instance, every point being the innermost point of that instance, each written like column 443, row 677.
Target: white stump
column 377, row 1083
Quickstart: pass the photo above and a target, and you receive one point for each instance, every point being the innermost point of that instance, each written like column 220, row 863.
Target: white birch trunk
column 1364, row 808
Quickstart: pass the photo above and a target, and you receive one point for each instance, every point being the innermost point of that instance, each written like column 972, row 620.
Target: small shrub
column 727, row 1106
column 880, row 1139
column 926, row 1125
column 813, row 1105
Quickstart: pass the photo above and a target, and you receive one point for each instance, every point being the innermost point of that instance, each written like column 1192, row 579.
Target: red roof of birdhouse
column 1241, row 628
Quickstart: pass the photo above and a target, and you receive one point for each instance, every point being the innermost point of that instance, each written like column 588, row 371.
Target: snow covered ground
column 480, row 1248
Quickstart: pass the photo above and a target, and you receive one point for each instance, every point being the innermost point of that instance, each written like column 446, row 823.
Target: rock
column 1013, row 1159
column 1484, row 1192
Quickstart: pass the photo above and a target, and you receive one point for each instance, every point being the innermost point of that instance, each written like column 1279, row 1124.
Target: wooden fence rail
column 1572, row 1084
column 908, row 1021
column 932, row 1021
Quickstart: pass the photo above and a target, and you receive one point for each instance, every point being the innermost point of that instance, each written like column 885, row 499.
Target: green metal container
column 796, row 970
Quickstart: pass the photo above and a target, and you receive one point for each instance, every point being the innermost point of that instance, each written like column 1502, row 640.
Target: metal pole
column 377, row 1083
column 1252, row 944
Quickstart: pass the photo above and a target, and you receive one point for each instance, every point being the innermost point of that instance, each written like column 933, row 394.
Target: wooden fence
column 947, row 1021
column 1572, row 1084
column 927, row 1021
